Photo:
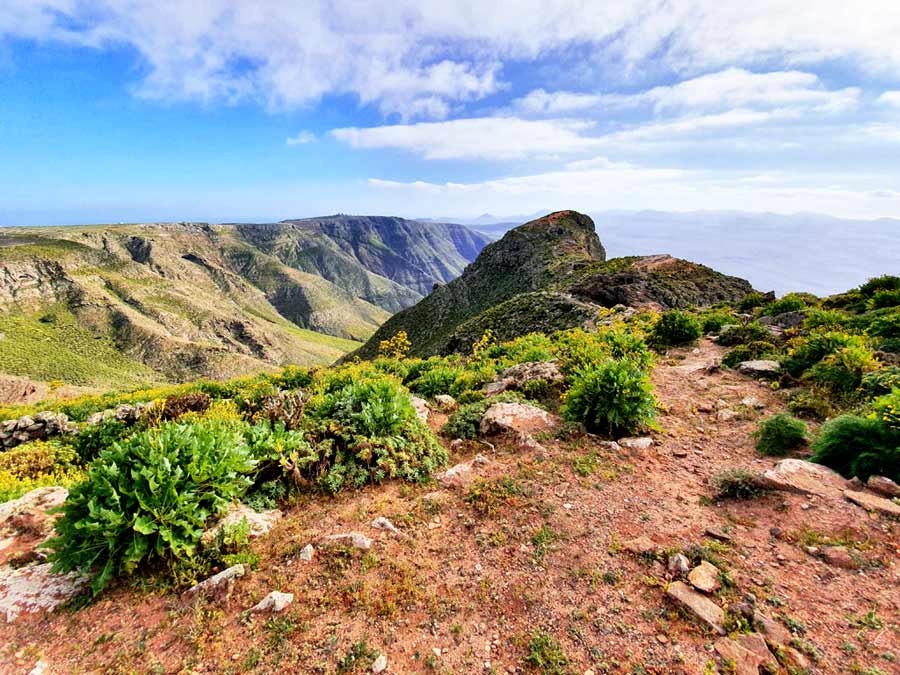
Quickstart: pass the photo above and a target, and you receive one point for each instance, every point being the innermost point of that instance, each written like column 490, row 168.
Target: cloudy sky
column 219, row 109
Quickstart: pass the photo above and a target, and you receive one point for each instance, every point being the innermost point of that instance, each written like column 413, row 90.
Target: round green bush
column 780, row 434
column 365, row 432
column 748, row 352
column 742, row 335
column 614, row 397
column 148, row 499
column 858, row 446
column 675, row 328
column 882, row 283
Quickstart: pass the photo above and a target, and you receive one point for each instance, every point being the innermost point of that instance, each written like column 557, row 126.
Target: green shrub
column 147, row 499
column 792, row 302
column 885, row 325
column 675, row 328
column 890, row 345
column 880, row 382
column 886, row 409
column 829, row 319
column 780, row 434
column 91, row 439
column 578, row 349
column 438, row 380
column 882, row 283
column 841, row 373
column 752, row 301
column 615, row 397
column 36, row 464
column 546, row 655
column 858, row 446
column 365, row 432
column 712, row 321
column 742, row 335
column 805, row 352
column 811, row 402
column 885, row 298
column 737, row 483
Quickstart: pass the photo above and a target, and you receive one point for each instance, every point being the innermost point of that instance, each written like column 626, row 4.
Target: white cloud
column 302, row 138
column 736, row 87
column 423, row 56
column 890, row 98
column 882, row 132
column 495, row 138
column 542, row 102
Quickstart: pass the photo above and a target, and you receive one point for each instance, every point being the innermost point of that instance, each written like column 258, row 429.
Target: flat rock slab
column 355, row 539
column 699, row 605
column 515, row 417
column 741, row 660
column 35, row 589
column 457, row 474
column 642, row 545
column 760, row 369
column 705, row 577
column 776, row 636
column 875, row 503
column 806, row 478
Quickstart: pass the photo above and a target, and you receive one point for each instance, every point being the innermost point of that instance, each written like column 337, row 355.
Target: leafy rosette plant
column 147, row 499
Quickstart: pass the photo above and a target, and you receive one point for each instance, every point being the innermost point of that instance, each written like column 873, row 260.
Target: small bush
column 829, row 319
column 737, row 483
column 811, row 403
column 438, row 380
column 742, row 335
column 147, row 499
column 805, row 352
column 882, row 283
column 675, row 328
column 886, row 409
column 885, row 298
column 841, row 373
column 886, row 325
column 792, row 302
column 857, row 446
column 889, row 345
column 880, row 382
column 615, row 397
column 365, row 432
column 752, row 301
column 546, row 655
column 36, row 464
column 780, row 434
column 712, row 321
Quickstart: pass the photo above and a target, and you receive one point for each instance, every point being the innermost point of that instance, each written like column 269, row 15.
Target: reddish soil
column 462, row 589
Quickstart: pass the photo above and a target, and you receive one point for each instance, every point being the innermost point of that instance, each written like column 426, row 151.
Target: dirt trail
column 461, row 590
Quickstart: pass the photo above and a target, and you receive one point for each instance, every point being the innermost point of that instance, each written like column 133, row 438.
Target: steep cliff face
column 549, row 274
column 185, row 300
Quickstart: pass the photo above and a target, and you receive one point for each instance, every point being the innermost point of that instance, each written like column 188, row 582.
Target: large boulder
column 518, row 418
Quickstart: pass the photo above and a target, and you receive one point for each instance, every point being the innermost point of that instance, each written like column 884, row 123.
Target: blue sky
column 218, row 110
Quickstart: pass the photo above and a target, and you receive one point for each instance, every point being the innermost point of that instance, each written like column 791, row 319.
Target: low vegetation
column 781, row 434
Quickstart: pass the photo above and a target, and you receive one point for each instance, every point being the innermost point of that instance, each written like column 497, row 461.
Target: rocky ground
column 558, row 533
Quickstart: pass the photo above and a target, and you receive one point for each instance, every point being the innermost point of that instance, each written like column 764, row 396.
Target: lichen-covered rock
column 445, row 403
column 456, row 474
column 29, row 428
column 218, row 586
column 36, row 588
column 521, row 374
column 421, row 406
column 355, row 539
column 260, row 522
column 520, row 418
column 883, row 486
column 874, row 503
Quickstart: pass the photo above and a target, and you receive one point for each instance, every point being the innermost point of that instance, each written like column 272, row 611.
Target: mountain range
column 128, row 304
